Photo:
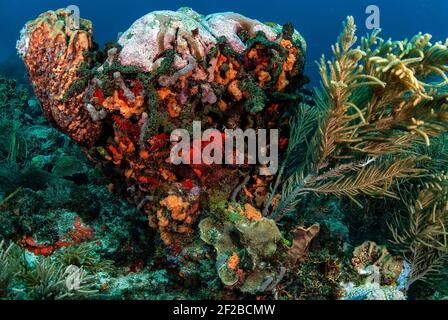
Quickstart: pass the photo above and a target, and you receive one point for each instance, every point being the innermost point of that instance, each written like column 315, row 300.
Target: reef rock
column 168, row 70
column 245, row 250
column 371, row 291
column 145, row 41
column 377, row 263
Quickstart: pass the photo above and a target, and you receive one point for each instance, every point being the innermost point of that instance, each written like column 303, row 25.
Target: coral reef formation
column 421, row 236
column 168, row 70
column 369, row 258
column 247, row 264
column 362, row 162
column 46, row 280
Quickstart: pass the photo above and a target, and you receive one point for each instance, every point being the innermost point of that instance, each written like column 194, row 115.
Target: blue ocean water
column 318, row 20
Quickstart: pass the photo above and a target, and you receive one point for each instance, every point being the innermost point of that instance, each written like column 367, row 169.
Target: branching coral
column 50, row 281
column 8, row 268
column 422, row 235
column 13, row 99
column 373, row 108
column 83, row 256
column 43, row 279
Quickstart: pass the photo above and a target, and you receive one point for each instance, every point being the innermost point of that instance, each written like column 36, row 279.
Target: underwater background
column 338, row 223
column 318, row 21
